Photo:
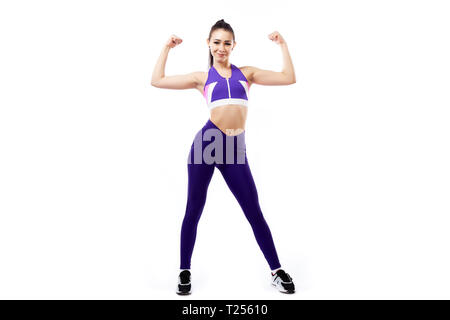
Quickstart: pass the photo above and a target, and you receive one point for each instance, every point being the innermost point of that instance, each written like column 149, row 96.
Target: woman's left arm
column 272, row 78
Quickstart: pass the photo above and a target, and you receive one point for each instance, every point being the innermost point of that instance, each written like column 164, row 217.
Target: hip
column 212, row 145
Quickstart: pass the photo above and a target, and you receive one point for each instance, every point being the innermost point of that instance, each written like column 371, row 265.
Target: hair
column 220, row 24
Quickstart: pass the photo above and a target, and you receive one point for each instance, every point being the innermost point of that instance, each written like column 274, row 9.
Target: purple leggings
column 231, row 160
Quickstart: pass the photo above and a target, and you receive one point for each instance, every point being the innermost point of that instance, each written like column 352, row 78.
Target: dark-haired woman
column 226, row 90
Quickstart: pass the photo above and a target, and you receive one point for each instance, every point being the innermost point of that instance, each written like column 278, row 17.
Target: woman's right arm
column 160, row 80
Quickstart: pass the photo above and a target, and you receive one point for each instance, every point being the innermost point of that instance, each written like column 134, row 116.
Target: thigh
column 240, row 181
column 199, row 172
column 199, row 177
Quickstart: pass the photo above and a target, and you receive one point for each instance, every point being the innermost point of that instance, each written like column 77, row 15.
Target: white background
column 351, row 162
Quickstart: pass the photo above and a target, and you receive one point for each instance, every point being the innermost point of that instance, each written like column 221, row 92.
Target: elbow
column 156, row 81
column 289, row 78
column 293, row 79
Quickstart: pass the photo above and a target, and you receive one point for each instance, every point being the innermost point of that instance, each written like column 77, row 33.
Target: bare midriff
column 230, row 119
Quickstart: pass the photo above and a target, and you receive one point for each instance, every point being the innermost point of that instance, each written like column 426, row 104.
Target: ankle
column 275, row 270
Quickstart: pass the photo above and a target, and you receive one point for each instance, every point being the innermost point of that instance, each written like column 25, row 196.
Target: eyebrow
column 225, row 40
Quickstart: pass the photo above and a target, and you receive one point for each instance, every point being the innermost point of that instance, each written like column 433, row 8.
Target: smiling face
column 221, row 44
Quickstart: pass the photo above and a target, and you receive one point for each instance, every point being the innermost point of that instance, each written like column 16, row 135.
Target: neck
column 222, row 65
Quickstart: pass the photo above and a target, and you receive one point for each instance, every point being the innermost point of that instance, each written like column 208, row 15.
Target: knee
column 254, row 216
column 196, row 198
column 194, row 209
column 191, row 219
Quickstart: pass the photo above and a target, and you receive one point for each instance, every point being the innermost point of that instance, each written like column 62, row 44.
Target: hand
column 173, row 41
column 276, row 36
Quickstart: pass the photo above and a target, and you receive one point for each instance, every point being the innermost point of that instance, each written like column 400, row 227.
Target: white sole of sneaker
column 282, row 291
column 181, row 293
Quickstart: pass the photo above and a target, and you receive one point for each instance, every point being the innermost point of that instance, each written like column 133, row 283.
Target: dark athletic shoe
column 184, row 283
column 283, row 282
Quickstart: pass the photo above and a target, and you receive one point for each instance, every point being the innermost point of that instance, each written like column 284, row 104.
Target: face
column 221, row 44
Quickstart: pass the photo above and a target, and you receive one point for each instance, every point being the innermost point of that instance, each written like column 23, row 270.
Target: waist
column 229, row 119
column 224, row 131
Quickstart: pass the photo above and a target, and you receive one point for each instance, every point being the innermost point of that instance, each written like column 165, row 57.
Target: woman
column 225, row 88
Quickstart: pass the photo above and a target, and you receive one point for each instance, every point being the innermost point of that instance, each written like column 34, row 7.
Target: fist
column 173, row 41
column 276, row 36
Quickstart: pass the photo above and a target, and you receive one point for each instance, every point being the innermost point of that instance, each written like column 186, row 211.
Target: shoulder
column 199, row 76
column 248, row 72
column 247, row 68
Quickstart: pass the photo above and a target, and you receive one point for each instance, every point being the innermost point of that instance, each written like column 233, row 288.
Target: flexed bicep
column 268, row 77
column 184, row 81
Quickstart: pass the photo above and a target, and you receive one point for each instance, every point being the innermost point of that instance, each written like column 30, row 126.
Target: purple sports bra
column 219, row 91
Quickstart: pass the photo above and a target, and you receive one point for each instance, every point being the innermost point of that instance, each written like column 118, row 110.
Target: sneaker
column 184, row 283
column 283, row 282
